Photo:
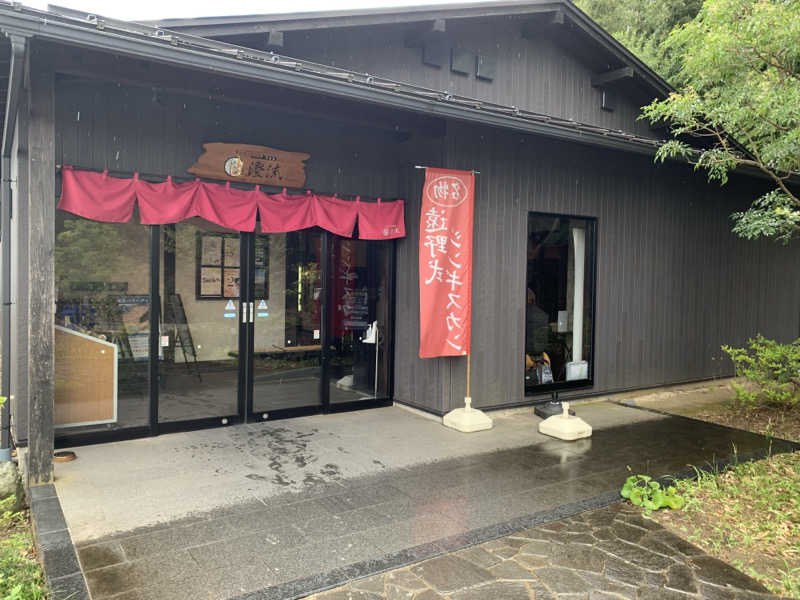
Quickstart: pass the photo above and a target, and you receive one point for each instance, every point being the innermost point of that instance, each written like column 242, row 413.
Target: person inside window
column 537, row 330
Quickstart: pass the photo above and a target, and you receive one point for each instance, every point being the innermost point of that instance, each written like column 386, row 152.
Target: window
column 218, row 266
column 559, row 302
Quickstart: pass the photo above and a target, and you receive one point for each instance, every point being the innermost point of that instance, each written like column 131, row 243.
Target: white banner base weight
column 467, row 419
column 565, row 426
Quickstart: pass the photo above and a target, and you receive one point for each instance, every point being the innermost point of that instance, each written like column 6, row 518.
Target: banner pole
column 468, row 356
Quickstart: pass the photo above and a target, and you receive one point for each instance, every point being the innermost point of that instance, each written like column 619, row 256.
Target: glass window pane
column 199, row 366
column 559, row 301
column 287, row 335
column 360, row 333
column 102, row 274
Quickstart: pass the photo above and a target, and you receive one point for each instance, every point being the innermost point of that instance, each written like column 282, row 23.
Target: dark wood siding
column 127, row 128
column 673, row 283
column 533, row 74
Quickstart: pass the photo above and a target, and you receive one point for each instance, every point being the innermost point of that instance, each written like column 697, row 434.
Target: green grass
column 749, row 516
column 20, row 573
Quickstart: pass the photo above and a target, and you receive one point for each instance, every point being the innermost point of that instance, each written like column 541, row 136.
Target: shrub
column 20, row 574
column 772, row 369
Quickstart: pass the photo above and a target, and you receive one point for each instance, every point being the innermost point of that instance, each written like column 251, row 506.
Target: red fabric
column 335, row 215
column 285, row 212
column 166, row 202
column 97, row 196
column 227, row 206
column 381, row 220
column 445, row 263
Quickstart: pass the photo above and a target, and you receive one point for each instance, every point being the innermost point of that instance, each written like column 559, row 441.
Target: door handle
column 244, row 312
column 252, row 310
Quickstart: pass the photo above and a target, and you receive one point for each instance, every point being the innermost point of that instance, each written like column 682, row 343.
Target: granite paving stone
column 372, row 584
column 69, row 587
column 478, row 556
column 509, row 569
column 503, row 523
column 100, row 555
column 712, row 570
column 533, row 564
column 58, row 554
column 499, row 590
column 680, row 577
column 450, row 573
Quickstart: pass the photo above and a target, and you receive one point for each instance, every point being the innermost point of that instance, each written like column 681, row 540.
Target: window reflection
column 102, row 324
column 558, row 301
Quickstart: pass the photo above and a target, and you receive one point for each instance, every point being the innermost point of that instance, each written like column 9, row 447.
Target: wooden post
column 41, row 246
column 19, row 258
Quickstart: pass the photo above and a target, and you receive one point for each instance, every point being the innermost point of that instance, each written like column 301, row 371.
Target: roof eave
column 28, row 22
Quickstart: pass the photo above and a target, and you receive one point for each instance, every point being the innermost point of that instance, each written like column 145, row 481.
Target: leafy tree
column 88, row 251
column 643, row 25
column 740, row 80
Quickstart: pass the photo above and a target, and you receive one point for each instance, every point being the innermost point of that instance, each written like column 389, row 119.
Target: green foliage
column 90, row 251
column 747, row 514
column 643, row 25
column 773, row 370
column 739, row 79
column 644, row 491
column 20, row 574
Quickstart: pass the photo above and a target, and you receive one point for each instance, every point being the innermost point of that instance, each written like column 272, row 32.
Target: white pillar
column 578, row 368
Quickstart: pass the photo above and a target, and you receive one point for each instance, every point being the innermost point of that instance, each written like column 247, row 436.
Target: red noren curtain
column 100, row 197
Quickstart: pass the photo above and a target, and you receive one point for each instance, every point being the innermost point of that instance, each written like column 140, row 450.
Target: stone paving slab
column 122, row 486
column 591, row 556
column 288, row 545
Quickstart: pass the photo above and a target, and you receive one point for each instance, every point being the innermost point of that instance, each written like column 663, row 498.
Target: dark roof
column 184, row 50
column 606, row 52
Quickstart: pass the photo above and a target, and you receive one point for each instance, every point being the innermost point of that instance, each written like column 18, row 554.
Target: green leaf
column 675, row 502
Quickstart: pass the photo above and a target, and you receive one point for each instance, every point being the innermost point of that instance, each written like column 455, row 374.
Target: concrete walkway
column 117, row 487
column 280, row 510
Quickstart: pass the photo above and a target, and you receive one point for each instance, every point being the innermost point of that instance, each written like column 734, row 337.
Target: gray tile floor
column 286, row 545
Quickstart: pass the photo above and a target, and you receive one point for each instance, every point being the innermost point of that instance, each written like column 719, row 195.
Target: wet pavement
column 332, row 531
column 604, row 554
column 120, row 486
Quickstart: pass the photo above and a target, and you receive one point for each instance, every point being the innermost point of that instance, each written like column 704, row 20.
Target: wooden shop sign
column 251, row 164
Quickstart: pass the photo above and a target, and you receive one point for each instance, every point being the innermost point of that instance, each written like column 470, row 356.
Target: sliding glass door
column 199, row 353
column 286, row 303
column 359, row 333
column 160, row 328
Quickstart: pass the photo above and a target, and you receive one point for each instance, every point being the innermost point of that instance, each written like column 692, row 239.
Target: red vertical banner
column 445, row 263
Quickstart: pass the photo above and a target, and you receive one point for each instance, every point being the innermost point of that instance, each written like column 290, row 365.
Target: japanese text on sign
column 445, row 263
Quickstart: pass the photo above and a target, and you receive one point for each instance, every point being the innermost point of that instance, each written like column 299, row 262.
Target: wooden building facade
column 534, row 96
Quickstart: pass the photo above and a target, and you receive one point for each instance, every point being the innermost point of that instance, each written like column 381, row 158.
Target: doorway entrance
column 259, row 326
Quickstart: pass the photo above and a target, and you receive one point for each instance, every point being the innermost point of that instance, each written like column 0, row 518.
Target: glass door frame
column 244, row 379
column 322, row 402
column 156, row 301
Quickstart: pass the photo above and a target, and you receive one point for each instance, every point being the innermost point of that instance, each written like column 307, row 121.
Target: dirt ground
column 713, row 401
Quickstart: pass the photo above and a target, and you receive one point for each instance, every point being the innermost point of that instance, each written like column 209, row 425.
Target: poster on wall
column 231, row 256
column 211, row 250
column 210, row 281
column 230, row 283
column 445, row 263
